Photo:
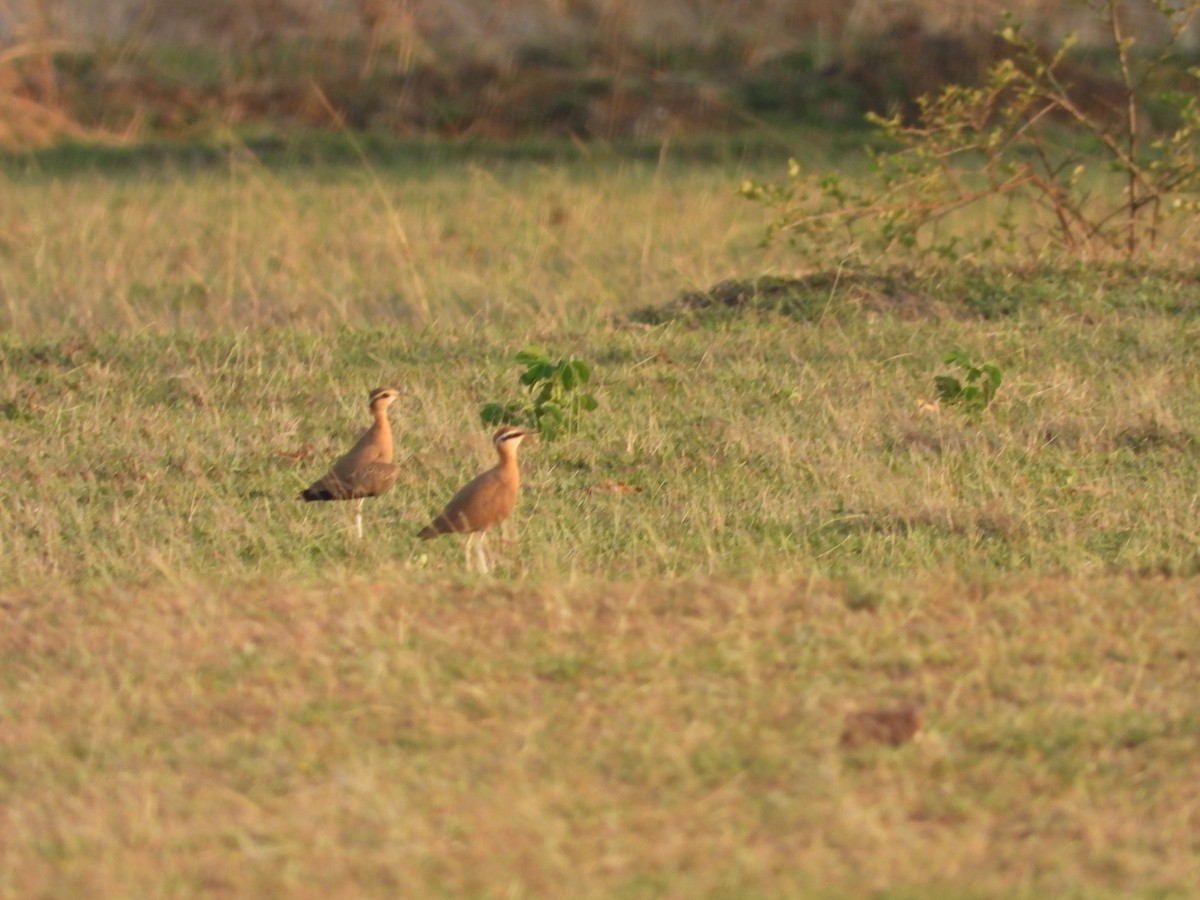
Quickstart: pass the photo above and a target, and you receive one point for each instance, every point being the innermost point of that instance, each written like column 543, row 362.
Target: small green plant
column 555, row 401
column 977, row 389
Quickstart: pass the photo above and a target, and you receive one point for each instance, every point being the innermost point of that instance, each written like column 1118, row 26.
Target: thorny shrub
column 1024, row 137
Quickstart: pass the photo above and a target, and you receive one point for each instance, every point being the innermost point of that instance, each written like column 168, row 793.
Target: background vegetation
column 600, row 70
column 771, row 525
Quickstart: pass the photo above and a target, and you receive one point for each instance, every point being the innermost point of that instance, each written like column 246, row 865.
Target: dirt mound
column 808, row 298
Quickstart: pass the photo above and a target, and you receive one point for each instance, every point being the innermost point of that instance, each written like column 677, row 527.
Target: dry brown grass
column 30, row 115
column 418, row 736
column 243, row 245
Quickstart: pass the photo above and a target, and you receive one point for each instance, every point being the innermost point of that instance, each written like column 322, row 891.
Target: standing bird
column 486, row 501
column 367, row 470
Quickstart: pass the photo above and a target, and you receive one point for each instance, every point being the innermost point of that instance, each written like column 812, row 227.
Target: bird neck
column 508, row 460
column 382, row 427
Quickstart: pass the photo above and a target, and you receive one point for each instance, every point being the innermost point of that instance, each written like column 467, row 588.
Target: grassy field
column 210, row 688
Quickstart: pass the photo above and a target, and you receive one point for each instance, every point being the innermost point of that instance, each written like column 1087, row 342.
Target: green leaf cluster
column 975, row 392
column 554, row 401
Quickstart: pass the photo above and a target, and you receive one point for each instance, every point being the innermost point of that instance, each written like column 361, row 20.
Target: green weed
column 975, row 392
column 556, row 401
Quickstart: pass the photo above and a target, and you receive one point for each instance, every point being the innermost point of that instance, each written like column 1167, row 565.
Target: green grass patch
column 734, row 446
column 767, row 525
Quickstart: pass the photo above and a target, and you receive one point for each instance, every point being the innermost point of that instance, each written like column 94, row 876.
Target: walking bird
column 486, row 501
column 367, row 470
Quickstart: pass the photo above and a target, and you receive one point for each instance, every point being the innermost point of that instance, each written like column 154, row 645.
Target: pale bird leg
column 481, row 552
column 358, row 517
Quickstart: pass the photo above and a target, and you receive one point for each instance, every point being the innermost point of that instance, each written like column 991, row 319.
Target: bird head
column 508, row 437
column 382, row 396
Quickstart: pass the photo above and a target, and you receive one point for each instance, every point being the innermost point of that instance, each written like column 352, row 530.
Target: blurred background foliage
column 122, row 71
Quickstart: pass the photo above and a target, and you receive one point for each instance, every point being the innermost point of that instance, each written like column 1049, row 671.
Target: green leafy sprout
column 977, row 389
column 555, row 400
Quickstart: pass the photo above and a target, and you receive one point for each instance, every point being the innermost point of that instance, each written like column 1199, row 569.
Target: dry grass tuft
column 891, row 727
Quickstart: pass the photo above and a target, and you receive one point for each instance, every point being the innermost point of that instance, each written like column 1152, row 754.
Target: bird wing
column 365, row 470
column 484, row 501
column 373, row 479
column 370, row 480
column 367, row 450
